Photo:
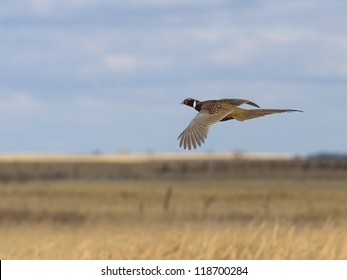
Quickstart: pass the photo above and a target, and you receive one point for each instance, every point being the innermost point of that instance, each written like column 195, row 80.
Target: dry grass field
column 174, row 219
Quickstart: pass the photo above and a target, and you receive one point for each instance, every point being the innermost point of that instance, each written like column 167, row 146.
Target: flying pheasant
column 212, row 111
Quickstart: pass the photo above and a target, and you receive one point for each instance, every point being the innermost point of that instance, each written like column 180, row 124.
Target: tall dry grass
column 174, row 220
column 252, row 241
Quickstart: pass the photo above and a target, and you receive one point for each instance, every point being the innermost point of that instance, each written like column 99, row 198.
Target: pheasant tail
column 256, row 113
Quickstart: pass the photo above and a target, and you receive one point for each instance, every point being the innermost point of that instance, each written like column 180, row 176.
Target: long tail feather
column 256, row 113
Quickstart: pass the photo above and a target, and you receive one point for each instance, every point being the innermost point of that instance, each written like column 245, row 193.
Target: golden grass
column 174, row 220
column 253, row 241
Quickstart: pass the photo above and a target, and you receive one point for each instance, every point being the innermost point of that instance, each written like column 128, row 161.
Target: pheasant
column 212, row 111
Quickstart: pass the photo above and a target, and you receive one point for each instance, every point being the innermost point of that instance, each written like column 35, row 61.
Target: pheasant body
column 212, row 111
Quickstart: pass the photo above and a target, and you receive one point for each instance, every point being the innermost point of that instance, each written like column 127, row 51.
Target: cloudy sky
column 80, row 76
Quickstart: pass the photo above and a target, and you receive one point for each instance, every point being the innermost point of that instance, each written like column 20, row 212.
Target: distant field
column 271, row 218
column 27, row 168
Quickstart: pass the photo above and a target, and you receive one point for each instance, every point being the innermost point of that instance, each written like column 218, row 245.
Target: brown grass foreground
column 174, row 220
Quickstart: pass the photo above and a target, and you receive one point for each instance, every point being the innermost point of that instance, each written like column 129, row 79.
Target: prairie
column 266, row 218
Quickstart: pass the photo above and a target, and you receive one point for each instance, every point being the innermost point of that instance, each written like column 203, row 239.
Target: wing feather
column 196, row 132
column 238, row 102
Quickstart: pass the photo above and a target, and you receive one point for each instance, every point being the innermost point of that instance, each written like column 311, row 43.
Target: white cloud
column 280, row 36
column 170, row 3
column 42, row 7
column 20, row 103
column 231, row 57
column 127, row 64
column 131, row 63
column 121, row 62
column 331, row 57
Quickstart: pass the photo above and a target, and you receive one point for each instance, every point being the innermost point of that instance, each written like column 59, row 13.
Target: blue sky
column 86, row 75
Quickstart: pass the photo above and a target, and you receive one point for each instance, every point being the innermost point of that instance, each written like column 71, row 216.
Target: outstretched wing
column 196, row 132
column 238, row 102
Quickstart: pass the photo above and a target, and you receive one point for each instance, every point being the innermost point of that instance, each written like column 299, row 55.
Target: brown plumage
column 212, row 111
